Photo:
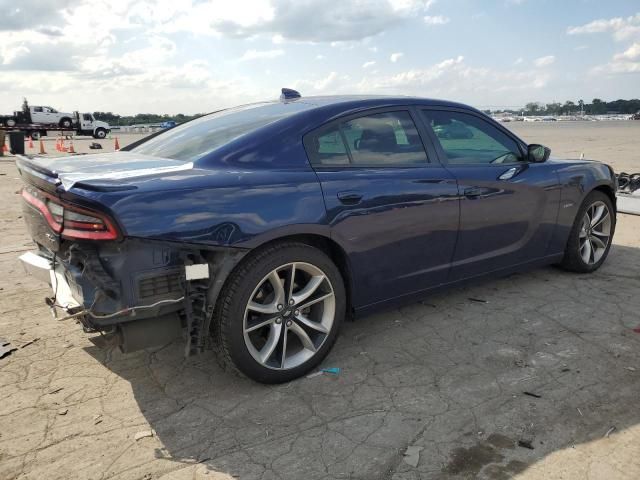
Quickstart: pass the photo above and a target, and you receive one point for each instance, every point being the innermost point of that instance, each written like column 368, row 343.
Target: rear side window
column 465, row 139
column 380, row 139
column 193, row 140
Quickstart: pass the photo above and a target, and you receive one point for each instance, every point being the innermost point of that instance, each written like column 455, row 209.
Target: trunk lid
column 67, row 171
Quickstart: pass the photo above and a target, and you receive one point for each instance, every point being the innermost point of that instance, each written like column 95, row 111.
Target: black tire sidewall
column 573, row 260
column 232, row 329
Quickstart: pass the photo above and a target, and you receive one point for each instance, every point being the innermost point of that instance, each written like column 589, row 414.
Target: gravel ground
column 445, row 376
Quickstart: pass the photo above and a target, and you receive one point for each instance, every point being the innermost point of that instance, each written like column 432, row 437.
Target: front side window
column 466, row 139
column 37, row 109
column 381, row 139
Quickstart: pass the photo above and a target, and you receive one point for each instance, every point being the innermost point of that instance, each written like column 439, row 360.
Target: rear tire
column 591, row 235
column 273, row 329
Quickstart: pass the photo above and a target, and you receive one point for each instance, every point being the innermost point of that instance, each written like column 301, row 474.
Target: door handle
column 512, row 172
column 350, row 197
column 474, row 192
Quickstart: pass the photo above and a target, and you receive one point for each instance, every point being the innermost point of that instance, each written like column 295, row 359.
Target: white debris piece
column 412, row 455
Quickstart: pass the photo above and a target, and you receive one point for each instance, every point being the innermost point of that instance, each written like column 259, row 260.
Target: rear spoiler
column 36, row 174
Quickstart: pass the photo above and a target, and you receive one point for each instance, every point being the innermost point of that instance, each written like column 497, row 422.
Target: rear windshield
column 197, row 138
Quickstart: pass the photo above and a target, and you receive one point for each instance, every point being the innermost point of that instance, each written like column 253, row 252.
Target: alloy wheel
column 289, row 316
column 595, row 232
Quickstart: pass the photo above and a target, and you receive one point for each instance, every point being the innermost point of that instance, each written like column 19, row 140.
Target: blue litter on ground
column 333, row 370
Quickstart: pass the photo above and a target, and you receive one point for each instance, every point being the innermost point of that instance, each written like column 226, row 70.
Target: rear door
column 508, row 206
column 392, row 210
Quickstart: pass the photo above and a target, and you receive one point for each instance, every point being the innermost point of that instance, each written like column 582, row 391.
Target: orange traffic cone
column 30, row 142
column 71, row 150
column 117, row 144
column 5, row 149
column 42, row 152
column 58, row 145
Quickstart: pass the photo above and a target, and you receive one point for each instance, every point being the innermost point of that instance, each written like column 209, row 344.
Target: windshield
column 197, row 138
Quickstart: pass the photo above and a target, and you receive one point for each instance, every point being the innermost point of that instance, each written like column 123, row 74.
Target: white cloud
column 260, row 54
column 436, row 20
column 454, row 78
column 544, row 61
column 368, row 64
column 632, row 53
column 621, row 28
column 326, row 21
column 622, row 63
column 396, row 56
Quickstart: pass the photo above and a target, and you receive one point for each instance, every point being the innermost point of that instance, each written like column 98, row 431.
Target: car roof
column 317, row 110
column 374, row 100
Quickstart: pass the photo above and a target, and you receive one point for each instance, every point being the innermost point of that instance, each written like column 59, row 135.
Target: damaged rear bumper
column 142, row 292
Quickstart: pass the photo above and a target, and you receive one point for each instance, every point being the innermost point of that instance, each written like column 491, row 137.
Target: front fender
column 577, row 180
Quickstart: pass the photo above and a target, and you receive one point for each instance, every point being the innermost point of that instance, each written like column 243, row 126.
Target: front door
column 508, row 206
column 394, row 212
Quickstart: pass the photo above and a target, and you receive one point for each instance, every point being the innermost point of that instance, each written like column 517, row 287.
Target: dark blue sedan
column 264, row 226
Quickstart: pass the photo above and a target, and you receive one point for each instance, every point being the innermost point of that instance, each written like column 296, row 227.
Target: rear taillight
column 71, row 221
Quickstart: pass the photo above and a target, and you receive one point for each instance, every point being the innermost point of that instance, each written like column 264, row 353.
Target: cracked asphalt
column 446, row 375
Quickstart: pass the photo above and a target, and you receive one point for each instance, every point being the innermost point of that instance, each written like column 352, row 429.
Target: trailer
column 33, row 123
column 83, row 124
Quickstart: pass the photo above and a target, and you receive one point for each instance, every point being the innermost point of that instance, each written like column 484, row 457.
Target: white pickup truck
column 47, row 116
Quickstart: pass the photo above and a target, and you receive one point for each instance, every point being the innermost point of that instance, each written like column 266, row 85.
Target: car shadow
column 486, row 380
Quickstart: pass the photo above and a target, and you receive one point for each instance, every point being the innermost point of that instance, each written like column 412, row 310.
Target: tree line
column 142, row 118
column 596, row 107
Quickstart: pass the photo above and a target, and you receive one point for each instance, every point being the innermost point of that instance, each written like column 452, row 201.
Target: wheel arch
column 608, row 191
column 323, row 243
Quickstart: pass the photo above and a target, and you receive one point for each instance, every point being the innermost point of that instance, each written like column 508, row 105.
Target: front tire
column 591, row 235
column 100, row 133
column 280, row 312
column 65, row 123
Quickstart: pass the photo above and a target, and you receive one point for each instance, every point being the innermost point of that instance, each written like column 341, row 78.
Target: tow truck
column 78, row 123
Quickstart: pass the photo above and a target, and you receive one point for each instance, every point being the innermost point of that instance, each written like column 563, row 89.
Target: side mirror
column 538, row 153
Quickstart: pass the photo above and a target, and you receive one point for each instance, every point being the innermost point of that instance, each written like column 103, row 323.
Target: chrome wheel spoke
column 261, row 324
column 309, row 288
column 604, row 217
column 598, row 211
column 261, row 308
column 313, row 301
column 307, row 343
column 311, row 324
column 278, row 289
column 585, row 251
column 284, row 347
column 271, row 344
column 291, row 280
column 597, row 242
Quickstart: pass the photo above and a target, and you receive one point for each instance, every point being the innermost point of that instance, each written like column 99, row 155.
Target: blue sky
column 169, row 56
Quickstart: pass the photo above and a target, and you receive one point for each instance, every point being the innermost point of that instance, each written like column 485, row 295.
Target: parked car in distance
column 263, row 226
column 168, row 124
column 453, row 129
